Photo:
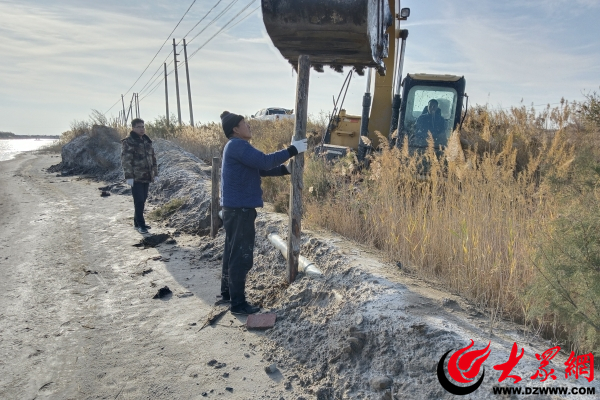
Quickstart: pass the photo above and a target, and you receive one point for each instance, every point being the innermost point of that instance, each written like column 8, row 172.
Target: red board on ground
column 261, row 321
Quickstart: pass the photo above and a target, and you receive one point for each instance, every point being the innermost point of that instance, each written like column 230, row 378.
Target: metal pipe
column 364, row 121
column 396, row 99
column 403, row 36
column 304, row 265
column 400, row 67
column 369, row 74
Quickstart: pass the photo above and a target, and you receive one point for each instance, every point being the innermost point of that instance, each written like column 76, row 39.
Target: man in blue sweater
column 241, row 194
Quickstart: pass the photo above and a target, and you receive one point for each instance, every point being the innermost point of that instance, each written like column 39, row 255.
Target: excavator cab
column 446, row 92
column 418, row 118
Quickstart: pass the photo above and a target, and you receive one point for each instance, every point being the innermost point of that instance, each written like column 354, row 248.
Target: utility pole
column 176, row 81
column 123, row 103
column 166, row 95
column 187, row 74
column 137, row 105
column 130, row 112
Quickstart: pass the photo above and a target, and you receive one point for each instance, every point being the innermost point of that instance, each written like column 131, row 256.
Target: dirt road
column 77, row 314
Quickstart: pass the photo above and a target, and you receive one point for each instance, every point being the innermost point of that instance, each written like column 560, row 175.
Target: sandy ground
column 77, row 314
column 78, row 319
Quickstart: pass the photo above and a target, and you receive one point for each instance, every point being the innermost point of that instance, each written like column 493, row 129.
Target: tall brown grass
column 478, row 226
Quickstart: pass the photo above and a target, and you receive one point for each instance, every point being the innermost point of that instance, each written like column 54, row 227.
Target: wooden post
column 297, row 182
column 214, row 203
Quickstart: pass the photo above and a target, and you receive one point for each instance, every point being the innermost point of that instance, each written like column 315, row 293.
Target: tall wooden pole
column 166, row 95
column 123, row 102
column 214, row 203
column 187, row 74
column 130, row 111
column 176, row 81
column 137, row 104
column 297, row 163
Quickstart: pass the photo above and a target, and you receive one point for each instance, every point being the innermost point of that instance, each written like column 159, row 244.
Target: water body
column 9, row 148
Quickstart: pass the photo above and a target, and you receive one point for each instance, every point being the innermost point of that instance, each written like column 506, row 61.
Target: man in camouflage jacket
column 139, row 166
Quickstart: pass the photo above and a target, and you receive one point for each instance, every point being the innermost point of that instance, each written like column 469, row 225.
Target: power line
column 222, row 29
column 226, row 26
column 153, row 78
column 214, row 19
column 203, row 18
column 161, row 47
column 533, row 105
column 249, row 14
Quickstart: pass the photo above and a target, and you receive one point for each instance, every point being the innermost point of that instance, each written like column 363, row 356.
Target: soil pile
column 366, row 329
column 183, row 177
column 96, row 152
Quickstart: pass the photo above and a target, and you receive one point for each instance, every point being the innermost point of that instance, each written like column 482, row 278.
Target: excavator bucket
column 331, row 32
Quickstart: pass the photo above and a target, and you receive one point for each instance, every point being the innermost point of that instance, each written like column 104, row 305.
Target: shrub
column 167, row 209
column 566, row 291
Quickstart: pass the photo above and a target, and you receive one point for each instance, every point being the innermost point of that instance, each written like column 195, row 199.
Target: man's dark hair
column 136, row 121
column 434, row 101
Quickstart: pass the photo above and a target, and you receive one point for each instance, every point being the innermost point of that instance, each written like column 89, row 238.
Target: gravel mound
column 365, row 330
column 183, row 177
column 96, row 153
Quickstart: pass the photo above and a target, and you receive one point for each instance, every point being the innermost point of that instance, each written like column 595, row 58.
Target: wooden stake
column 214, row 203
column 297, row 163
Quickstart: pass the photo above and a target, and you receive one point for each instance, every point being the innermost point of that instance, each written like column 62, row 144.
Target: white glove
column 288, row 166
column 129, row 182
column 300, row 145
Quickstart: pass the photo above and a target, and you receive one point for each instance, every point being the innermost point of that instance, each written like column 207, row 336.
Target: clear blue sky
column 61, row 59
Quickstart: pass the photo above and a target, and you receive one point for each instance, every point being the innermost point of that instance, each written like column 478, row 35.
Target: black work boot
column 244, row 309
column 222, row 299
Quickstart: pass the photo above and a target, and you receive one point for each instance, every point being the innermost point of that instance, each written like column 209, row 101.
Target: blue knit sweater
column 241, row 169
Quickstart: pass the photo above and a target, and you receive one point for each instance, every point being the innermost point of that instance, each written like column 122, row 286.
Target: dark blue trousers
column 238, row 255
column 139, row 191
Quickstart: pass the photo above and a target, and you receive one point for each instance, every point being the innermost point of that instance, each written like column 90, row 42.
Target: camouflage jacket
column 137, row 158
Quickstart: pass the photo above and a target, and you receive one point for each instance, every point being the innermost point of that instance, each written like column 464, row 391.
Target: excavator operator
column 431, row 121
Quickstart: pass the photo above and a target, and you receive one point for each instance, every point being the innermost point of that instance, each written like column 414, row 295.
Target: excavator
column 366, row 35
